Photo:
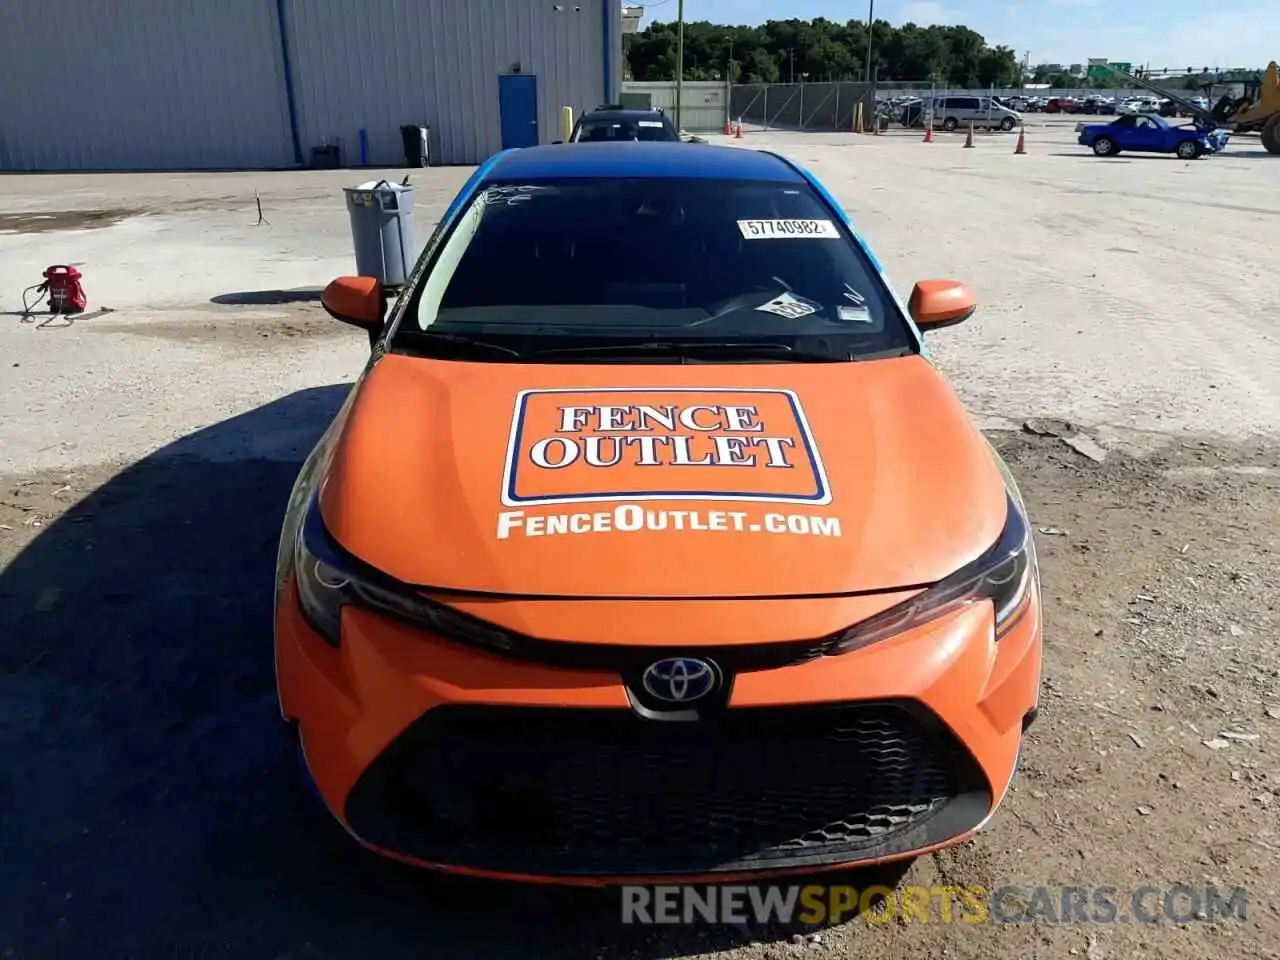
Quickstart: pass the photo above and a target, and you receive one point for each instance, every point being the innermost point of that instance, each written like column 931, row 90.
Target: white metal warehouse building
column 226, row 84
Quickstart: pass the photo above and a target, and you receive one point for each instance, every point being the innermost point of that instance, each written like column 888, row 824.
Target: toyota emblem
column 680, row 679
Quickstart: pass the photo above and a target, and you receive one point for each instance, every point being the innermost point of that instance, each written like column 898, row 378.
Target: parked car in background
column 952, row 112
column 1174, row 108
column 609, row 123
column 1062, row 105
column 1149, row 134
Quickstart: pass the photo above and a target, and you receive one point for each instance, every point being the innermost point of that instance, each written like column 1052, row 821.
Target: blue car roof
column 641, row 159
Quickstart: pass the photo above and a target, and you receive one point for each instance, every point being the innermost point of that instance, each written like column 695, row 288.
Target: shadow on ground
column 1127, row 156
column 268, row 298
column 42, row 319
column 49, row 221
column 1086, row 154
column 152, row 804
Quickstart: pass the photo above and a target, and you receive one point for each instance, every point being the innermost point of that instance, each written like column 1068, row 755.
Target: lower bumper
column 463, row 761
column 564, row 792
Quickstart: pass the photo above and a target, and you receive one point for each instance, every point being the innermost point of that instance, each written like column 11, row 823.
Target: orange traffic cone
column 928, row 132
column 728, row 129
column 1022, row 141
column 968, row 141
column 738, row 134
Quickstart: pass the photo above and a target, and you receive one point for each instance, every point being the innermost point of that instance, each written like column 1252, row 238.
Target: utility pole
column 871, row 19
column 679, row 60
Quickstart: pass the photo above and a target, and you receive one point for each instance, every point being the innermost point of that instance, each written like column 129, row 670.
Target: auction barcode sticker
column 785, row 229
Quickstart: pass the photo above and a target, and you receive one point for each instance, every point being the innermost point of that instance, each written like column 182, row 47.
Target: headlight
column 1004, row 576
column 328, row 580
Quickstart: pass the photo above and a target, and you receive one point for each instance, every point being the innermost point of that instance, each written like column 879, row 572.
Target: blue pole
column 608, row 48
column 364, row 147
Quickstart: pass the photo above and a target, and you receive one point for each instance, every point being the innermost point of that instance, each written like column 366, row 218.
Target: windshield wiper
column 731, row 350
column 467, row 343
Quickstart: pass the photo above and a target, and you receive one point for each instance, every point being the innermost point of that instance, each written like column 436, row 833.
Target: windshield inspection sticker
column 788, row 229
column 857, row 313
column 789, row 306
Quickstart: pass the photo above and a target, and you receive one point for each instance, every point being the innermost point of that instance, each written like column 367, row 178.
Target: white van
column 959, row 111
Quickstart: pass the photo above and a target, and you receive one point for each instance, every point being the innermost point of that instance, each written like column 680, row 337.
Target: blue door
column 1148, row 135
column 518, row 108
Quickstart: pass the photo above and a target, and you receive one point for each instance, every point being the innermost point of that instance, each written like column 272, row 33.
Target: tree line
column 818, row 50
column 792, row 51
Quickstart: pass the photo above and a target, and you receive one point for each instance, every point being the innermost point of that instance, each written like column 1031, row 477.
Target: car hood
column 641, row 480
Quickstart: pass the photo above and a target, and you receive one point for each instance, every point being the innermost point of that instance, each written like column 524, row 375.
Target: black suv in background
column 610, row 124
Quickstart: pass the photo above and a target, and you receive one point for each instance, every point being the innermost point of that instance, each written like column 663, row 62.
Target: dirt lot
column 151, row 806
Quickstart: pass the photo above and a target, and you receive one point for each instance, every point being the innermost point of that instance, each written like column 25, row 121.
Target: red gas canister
column 66, row 292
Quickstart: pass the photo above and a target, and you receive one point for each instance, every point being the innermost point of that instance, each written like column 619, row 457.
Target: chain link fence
column 890, row 89
column 929, row 89
column 799, row 106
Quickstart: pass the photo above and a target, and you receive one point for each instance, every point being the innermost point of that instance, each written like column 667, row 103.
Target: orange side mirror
column 941, row 303
column 355, row 300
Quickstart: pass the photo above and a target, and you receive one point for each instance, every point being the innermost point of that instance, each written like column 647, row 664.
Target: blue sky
column 1163, row 33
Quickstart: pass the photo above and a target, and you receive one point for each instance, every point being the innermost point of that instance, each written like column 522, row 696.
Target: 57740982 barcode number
column 788, row 229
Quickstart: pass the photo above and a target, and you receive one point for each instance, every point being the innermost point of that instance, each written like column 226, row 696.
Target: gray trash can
column 382, row 230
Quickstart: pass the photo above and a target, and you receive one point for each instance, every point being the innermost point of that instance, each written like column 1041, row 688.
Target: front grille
column 560, row 792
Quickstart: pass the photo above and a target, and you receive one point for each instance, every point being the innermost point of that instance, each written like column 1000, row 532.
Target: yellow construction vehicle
column 1253, row 106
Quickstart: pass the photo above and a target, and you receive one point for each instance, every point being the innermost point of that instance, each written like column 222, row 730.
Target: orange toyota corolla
column 651, row 543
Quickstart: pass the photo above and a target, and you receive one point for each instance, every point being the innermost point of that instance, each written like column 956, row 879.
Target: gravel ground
column 150, row 806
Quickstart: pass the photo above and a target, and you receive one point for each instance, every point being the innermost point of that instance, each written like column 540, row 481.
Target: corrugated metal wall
column 199, row 84
column 141, row 85
column 378, row 64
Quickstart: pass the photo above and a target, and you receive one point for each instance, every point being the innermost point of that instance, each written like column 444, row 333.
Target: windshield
column 603, row 129
column 757, row 271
